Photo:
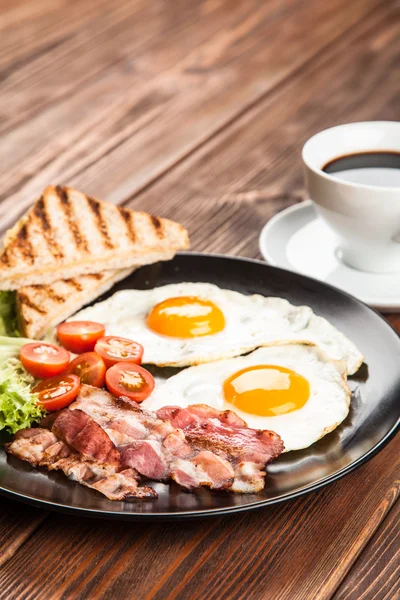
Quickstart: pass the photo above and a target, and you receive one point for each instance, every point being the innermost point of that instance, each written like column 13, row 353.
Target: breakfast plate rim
column 220, row 511
column 196, row 514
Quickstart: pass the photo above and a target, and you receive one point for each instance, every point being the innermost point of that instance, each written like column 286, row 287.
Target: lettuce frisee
column 8, row 314
column 18, row 405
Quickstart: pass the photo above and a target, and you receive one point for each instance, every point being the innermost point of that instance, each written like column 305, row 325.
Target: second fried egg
column 294, row 390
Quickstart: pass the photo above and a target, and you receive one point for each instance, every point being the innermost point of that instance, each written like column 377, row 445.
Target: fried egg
column 294, row 390
column 191, row 323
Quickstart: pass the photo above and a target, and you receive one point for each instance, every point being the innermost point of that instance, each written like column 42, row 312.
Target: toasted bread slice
column 67, row 234
column 41, row 307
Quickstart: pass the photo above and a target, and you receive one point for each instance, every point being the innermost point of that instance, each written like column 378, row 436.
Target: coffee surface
column 369, row 168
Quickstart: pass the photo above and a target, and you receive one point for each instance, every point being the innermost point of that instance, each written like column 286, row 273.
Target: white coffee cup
column 365, row 218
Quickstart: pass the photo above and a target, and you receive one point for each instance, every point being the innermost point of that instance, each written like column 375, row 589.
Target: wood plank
column 20, row 11
column 113, row 145
column 17, row 524
column 84, row 46
column 29, row 29
column 300, row 549
column 141, row 32
column 376, row 574
column 96, row 37
column 394, row 320
column 227, row 190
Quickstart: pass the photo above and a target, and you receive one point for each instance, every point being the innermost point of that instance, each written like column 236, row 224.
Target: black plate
column 373, row 419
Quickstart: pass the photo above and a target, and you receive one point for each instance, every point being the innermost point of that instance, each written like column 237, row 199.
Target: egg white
column 327, row 406
column 251, row 322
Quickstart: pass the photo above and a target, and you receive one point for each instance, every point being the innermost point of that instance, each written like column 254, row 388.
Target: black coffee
column 370, row 168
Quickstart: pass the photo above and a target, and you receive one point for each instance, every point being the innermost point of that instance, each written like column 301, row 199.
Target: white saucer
column 298, row 240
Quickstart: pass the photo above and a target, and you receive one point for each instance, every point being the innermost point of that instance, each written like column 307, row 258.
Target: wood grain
column 31, row 30
column 17, row 523
column 376, row 574
column 120, row 132
column 394, row 320
column 226, row 191
column 301, row 549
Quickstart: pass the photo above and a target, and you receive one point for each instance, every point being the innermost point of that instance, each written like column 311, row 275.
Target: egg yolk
column 186, row 317
column 267, row 390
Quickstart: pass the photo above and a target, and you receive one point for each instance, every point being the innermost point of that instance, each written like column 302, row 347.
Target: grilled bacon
column 85, row 436
column 41, row 448
column 104, row 442
column 195, row 446
column 228, row 437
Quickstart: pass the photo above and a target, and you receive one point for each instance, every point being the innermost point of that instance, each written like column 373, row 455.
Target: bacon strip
column 85, row 436
column 227, row 435
column 196, row 446
column 41, row 448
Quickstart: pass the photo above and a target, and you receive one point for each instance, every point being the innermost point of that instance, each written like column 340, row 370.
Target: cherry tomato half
column 117, row 349
column 44, row 360
column 80, row 336
column 58, row 392
column 129, row 380
column 90, row 369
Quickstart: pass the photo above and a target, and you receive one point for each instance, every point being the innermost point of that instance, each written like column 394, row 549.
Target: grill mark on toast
column 22, row 242
column 22, row 234
column 24, row 299
column 74, row 283
column 48, row 291
column 4, row 258
column 40, row 212
column 101, row 223
column 130, row 226
column 97, row 276
column 79, row 239
column 157, row 226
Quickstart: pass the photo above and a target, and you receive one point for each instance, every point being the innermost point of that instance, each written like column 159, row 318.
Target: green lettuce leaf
column 8, row 314
column 18, row 405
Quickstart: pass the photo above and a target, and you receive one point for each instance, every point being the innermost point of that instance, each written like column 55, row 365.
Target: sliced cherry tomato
column 90, row 369
column 44, row 360
column 80, row 336
column 129, row 380
column 58, row 392
column 117, row 349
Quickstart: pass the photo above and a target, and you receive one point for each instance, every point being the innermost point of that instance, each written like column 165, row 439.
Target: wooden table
column 196, row 110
